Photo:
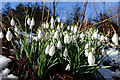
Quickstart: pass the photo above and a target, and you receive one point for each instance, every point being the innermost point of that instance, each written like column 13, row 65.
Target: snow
column 12, row 76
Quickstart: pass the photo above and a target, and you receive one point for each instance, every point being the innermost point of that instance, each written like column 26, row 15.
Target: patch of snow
column 5, row 72
column 4, row 61
column 12, row 76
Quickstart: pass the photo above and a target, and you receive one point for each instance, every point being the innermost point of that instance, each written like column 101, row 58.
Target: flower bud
column 58, row 20
column 17, row 31
column 67, row 67
column 52, row 20
column 47, row 25
column 56, row 35
column 59, row 45
column 72, row 28
column 28, row 21
column 32, row 22
column 40, row 34
column 47, row 49
column 67, row 39
column 68, row 27
column 61, row 25
column 91, row 59
column 75, row 29
column 65, row 53
column 12, row 22
column 115, row 39
column 52, row 26
column 9, row 35
column 58, row 27
column 52, row 51
column 1, row 35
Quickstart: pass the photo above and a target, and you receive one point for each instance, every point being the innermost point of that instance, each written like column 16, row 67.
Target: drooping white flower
column 86, row 46
column 59, row 45
column 115, row 39
column 9, row 35
column 60, row 35
column 68, row 27
column 82, row 35
column 47, row 35
column 40, row 34
column 58, row 27
column 75, row 29
column 67, row 39
column 101, row 37
column 28, row 21
column 52, row 26
column 44, row 25
column 52, row 51
column 56, row 35
column 12, row 22
column 61, row 25
column 86, row 53
column 58, row 20
column 91, row 59
column 52, row 20
column 1, row 35
column 95, row 35
column 65, row 53
column 47, row 25
column 93, row 50
column 35, row 38
column 47, row 49
column 17, row 31
column 67, row 67
column 32, row 23
column 72, row 28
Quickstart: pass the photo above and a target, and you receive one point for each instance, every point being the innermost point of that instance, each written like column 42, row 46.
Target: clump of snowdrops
column 77, row 52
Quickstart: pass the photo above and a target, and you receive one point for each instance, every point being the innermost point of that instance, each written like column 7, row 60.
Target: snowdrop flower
column 35, row 38
column 52, row 26
column 52, row 20
column 115, row 39
column 44, row 25
column 67, row 67
column 32, row 22
column 58, row 27
column 91, row 59
column 1, row 35
column 68, row 27
column 67, row 39
column 75, row 29
column 61, row 25
column 40, row 34
column 47, row 35
column 95, row 35
column 28, row 21
column 12, row 22
column 5, row 72
column 101, row 37
column 56, row 35
column 72, row 28
column 9, row 35
column 93, row 50
column 60, row 35
column 58, row 20
column 86, row 46
column 47, row 25
column 82, row 35
column 47, row 49
column 17, row 31
column 52, row 51
column 59, row 45
column 86, row 53
column 65, row 53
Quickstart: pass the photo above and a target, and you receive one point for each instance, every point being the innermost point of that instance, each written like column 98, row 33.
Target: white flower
column 47, row 25
column 1, row 35
column 75, row 29
column 32, row 22
column 68, row 27
column 17, row 31
column 28, row 21
column 86, row 46
column 47, row 49
column 58, row 27
column 91, row 59
column 44, row 25
column 86, row 53
column 56, row 35
column 52, row 51
column 65, row 53
column 59, row 45
column 95, row 35
column 67, row 67
column 47, row 35
column 60, row 35
column 72, row 28
column 52, row 26
column 93, row 50
column 35, row 38
column 82, row 35
column 12, row 22
column 9, row 35
column 58, row 20
column 101, row 37
column 115, row 39
column 61, row 25
column 67, row 39
column 40, row 34
column 52, row 20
